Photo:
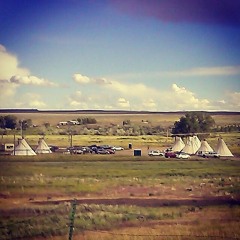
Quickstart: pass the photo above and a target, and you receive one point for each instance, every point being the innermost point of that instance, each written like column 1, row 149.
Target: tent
column 191, row 146
column 196, row 141
column 42, row 147
column 23, row 148
column 205, row 147
column 178, row 145
column 222, row 149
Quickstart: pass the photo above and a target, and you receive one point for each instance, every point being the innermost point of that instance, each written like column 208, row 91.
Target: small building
column 7, row 147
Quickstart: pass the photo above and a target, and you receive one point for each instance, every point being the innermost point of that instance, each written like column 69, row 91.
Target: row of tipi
column 194, row 145
column 23, row 148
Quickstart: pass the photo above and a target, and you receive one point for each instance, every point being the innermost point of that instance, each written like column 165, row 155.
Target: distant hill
column 112, row 111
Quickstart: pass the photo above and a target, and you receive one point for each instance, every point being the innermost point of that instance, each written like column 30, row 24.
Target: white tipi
column 178, row 145
column 196, row 141
column 222, row 149
column 23, row 148
column 42, row 147
column 191, row 146
column 205, row 147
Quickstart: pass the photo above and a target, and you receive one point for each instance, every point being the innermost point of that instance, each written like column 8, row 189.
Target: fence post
column 71, row 226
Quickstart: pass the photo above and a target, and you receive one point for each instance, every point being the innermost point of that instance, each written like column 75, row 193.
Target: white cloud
column 31, row 100
column 141, row 96
column 123, row 103
column 11, row 71
column 102, row 81
column 81, row 78
column 209, row 71
column 150, row 104
column 74, row 103
column 37, row 104
column 9, row 65
column 31, row 80
column 138, row 90
column 138, row 96
column 184, row 99
column 7, row 94
column 233, row 100
column 222, row 101
column 79, row 100
column 12, row 76
column 192, row 72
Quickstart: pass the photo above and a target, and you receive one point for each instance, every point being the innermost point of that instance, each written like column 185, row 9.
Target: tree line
column 11, row 122
column 191, row 122
column 194, row 122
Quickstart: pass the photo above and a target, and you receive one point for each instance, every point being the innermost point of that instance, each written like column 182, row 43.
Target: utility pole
column 14, row 146
column 71, row 140
column 71, row 227
column 21, row 128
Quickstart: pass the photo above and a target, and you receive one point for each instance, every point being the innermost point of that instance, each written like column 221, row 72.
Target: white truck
column 208, row 154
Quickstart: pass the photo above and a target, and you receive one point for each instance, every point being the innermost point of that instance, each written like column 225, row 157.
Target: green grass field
column 36, row 195
column 120, row 197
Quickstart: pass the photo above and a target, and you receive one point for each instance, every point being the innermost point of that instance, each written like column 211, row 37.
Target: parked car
column 102, row 151
column 182, row 155
column 208, row 154
column 170, row 155
column 87, row 150
column 105, row 147
column 155, row 153
column 111, row 151
column 67, row 152
column 117, row 148
column 53, row 148
column 77, row 151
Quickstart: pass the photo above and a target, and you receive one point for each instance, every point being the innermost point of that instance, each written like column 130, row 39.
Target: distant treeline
column 193, row 122
column 228, row 128
column 114, row 111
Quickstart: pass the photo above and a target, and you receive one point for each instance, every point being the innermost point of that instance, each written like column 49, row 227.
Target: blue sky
column 153, row 55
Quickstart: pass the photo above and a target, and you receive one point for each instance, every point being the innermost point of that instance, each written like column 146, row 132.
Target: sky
column 142, row 55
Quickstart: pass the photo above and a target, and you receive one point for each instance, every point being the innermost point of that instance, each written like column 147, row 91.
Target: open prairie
column 163, row 119
column 119, row 196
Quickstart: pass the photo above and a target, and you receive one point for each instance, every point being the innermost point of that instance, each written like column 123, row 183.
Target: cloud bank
column 138, row 96
column 12, row 77
column 81, row 79
column 31, row 80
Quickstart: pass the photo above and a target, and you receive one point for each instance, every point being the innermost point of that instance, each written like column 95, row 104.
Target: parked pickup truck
column 155, row 153
column 208, row 154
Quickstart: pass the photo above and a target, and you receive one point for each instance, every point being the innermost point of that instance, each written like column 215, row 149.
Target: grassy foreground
column 180, row 199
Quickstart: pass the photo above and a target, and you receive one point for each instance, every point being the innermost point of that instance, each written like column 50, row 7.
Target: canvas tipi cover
column 42, row 147
column 191, row 146
column 222, row 149
column 205, row 147
column 196, row 141
column 23, row 148
column 178, row 145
